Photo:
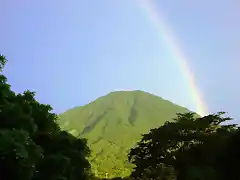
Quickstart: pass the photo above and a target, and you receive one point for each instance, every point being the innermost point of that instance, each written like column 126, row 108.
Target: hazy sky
column 71, row 52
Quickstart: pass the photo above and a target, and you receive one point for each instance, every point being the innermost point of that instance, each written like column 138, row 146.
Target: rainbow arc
column 178, row 55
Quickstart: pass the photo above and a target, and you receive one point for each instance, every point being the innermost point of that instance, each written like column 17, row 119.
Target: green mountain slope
column 114, row 123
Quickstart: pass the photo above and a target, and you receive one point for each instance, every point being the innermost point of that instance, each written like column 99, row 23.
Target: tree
column 18, row 155
column 183, row 149
column 32, row 145
column 228, row 158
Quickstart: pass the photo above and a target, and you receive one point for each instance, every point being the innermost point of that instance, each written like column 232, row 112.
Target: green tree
column 228, row 158
column 183, row 149
column 32, row 145
column 18, row 155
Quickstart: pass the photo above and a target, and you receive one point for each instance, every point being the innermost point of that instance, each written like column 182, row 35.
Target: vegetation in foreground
column 188, row 148
column 32, row 146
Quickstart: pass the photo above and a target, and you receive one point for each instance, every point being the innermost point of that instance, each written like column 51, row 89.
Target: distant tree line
column 33, row 147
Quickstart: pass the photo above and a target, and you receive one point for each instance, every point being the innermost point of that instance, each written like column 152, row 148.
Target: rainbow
column 166, row 34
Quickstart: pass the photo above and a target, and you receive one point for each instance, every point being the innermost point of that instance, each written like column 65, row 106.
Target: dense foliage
column 32, row 146
column 189, row 147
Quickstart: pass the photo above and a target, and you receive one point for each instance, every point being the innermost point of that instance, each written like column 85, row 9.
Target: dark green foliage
column 32, row 146
column 18, row 155
column 229, row 158
column 189, row 148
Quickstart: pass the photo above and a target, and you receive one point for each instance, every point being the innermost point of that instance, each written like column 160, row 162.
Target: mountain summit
column 114, row 123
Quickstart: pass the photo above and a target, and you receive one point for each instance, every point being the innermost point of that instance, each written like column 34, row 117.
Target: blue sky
column 71, row 52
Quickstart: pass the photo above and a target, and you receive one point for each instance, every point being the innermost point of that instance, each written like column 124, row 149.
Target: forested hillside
column 114, row 123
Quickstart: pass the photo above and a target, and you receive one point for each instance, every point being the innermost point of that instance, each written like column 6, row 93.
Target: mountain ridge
column 114, row 123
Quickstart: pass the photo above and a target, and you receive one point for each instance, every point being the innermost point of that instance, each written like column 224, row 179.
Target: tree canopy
column 189, row 148
column 32, row 145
